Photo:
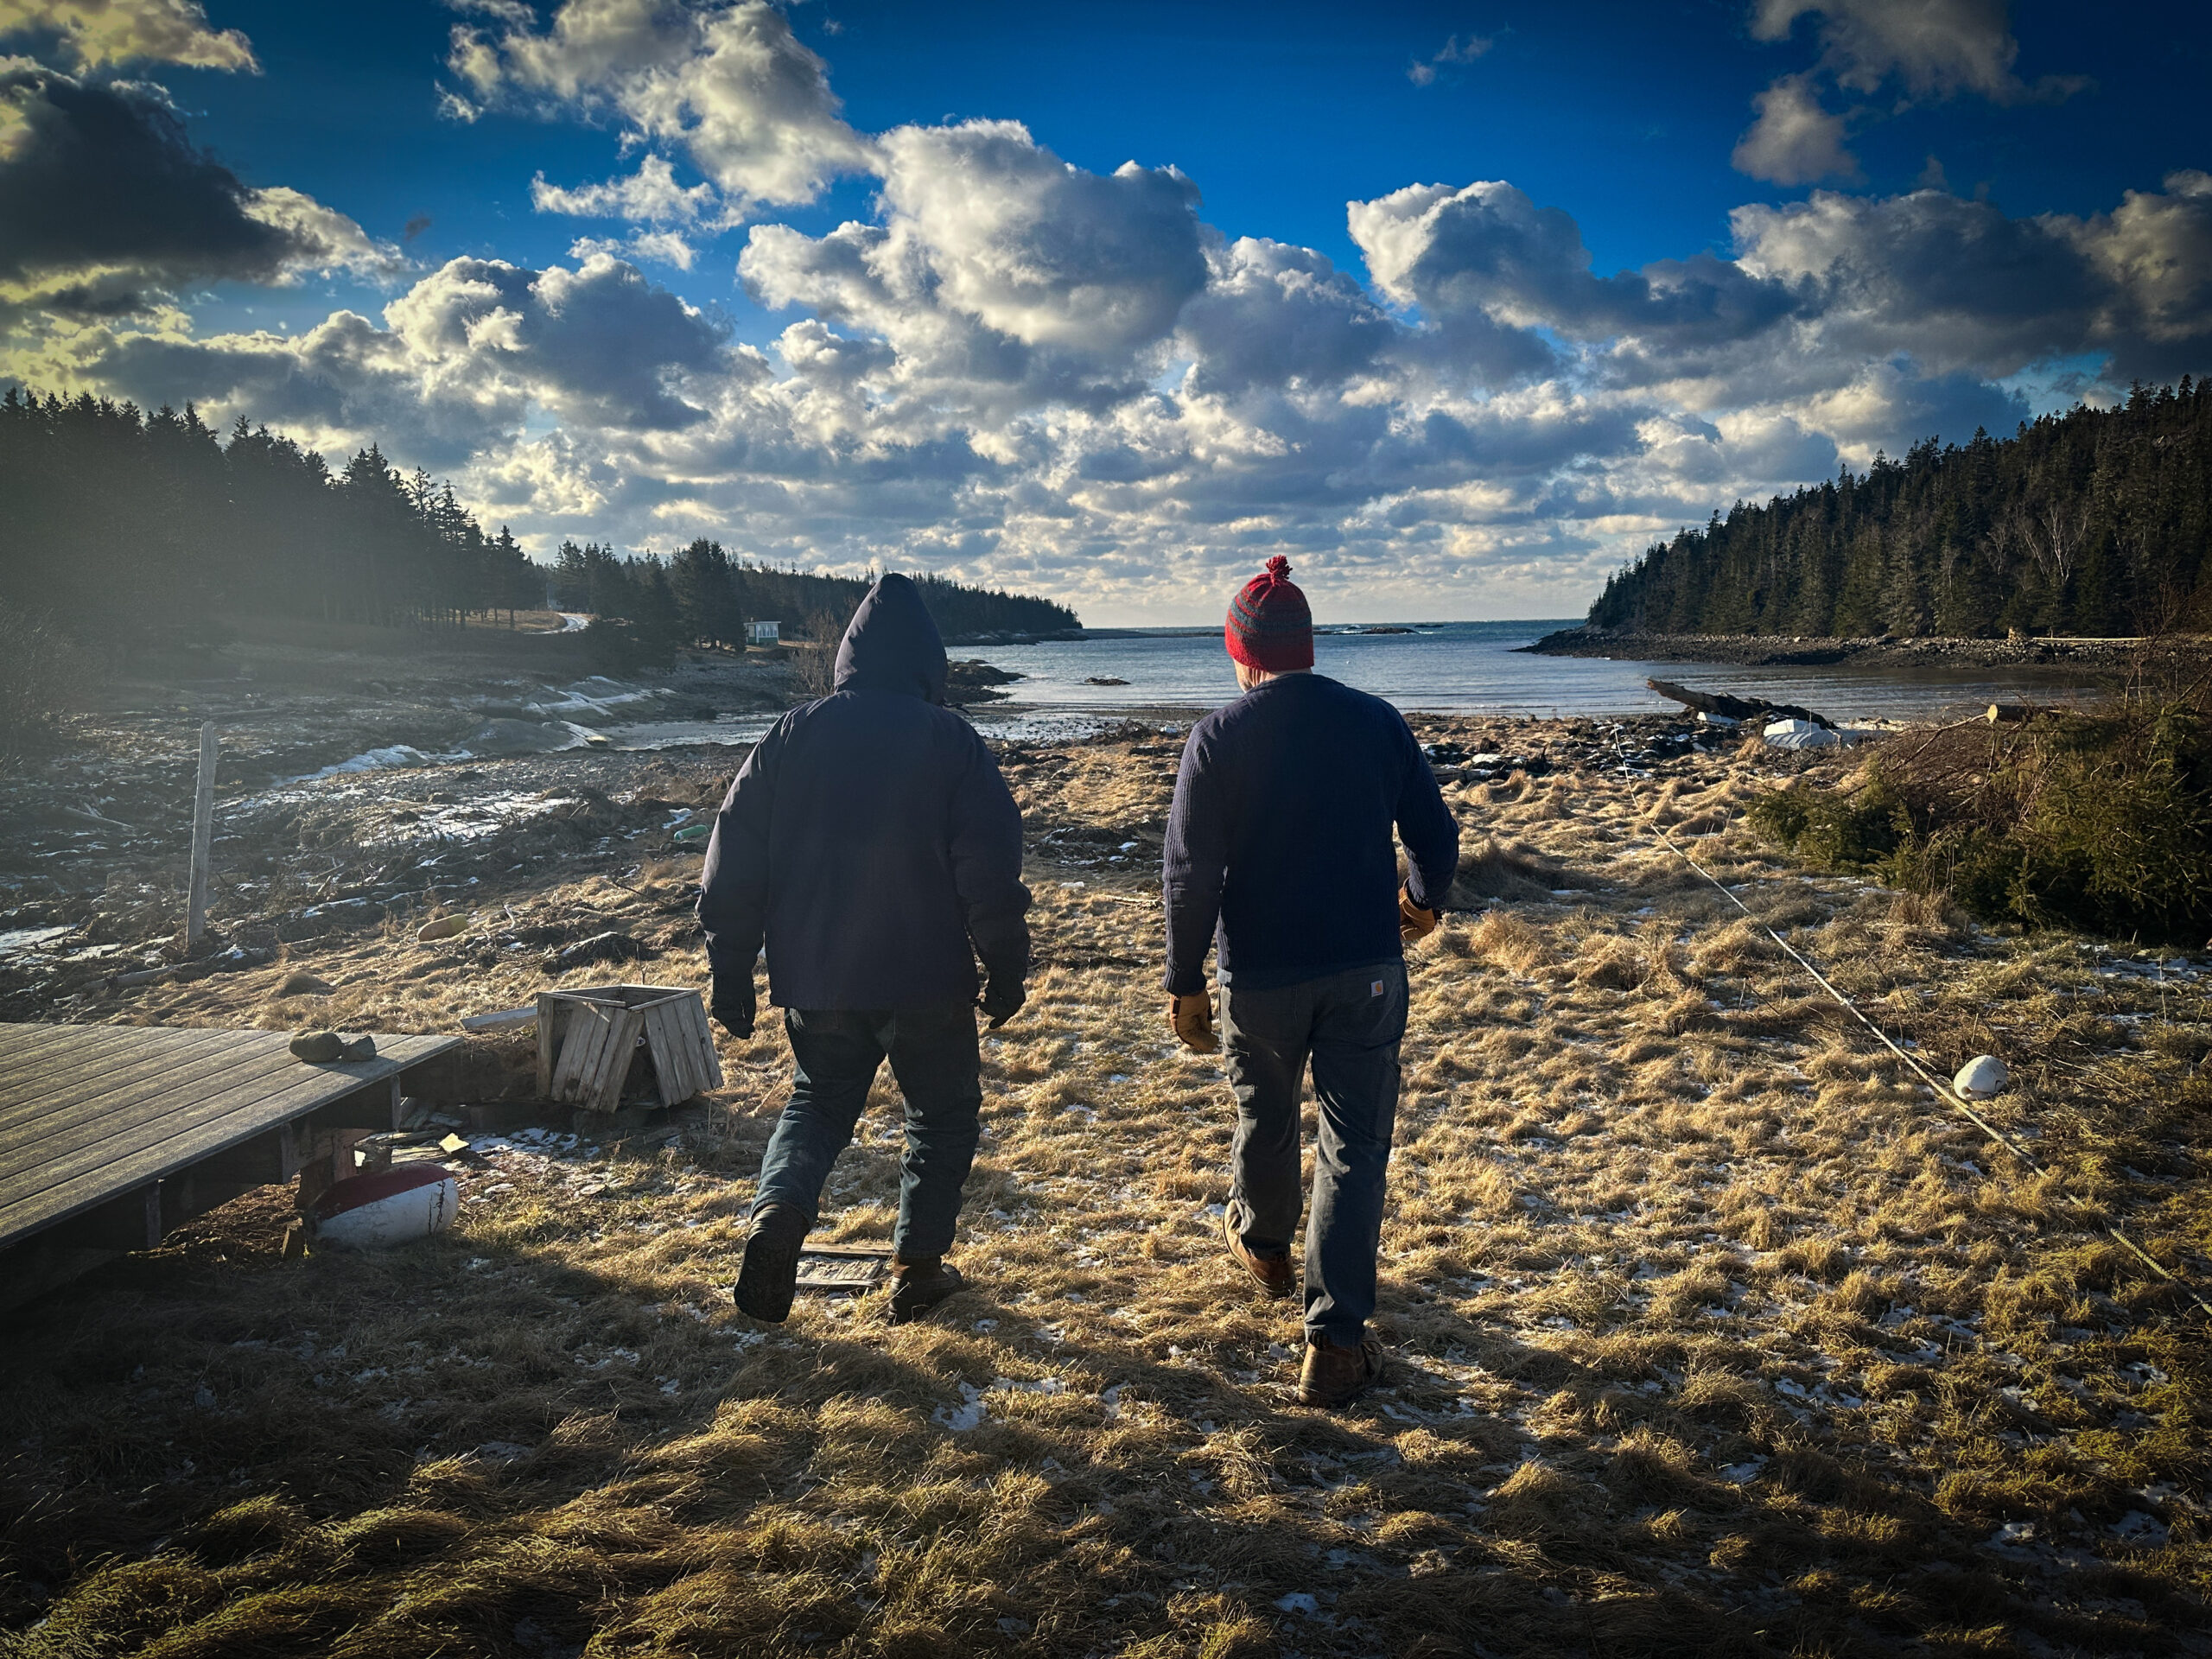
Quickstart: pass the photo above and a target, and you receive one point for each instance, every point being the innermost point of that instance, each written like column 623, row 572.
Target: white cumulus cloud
column 1925, row 50
column 651, row 194
column 1017, row 371
column 94, row 32
column 1794, row 140
column 728, row 85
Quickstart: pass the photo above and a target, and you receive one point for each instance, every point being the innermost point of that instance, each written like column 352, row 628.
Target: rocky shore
column 1884, row 651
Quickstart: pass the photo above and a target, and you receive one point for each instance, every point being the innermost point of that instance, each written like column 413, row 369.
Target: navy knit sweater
column 1281, row 837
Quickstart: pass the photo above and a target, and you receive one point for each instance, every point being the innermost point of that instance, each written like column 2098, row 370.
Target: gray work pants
column 1348, row 1025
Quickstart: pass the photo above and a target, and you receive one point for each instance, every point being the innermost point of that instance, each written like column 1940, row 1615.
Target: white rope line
column 1942, row 1088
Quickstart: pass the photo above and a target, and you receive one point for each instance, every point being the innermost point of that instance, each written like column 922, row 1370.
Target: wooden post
column 203, row 830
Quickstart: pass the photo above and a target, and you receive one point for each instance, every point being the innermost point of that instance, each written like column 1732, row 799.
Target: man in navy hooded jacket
column 871, row 839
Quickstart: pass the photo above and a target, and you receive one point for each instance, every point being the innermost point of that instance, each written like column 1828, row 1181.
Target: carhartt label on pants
column 1376, row 990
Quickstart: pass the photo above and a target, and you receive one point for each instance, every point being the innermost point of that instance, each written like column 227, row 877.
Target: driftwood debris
column 1733, row 708
column 505, row 1020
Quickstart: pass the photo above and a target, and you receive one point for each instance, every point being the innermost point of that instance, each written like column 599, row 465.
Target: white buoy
column 384, row 1207
column 1982, row 1077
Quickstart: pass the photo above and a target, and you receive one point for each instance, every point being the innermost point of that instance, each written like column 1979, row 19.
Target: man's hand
column 734, row 1010
column 1191, row 1017
column 1414, row 922
column 1002, row 999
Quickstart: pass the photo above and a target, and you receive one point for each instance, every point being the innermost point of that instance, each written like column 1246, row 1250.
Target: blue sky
column 1914, row 216
column 1623, row 114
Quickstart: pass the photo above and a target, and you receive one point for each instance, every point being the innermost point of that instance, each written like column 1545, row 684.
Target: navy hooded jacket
column 869, row 836
column 1280, row 834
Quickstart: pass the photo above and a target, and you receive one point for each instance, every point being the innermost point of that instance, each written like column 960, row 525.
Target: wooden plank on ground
column 506, row 1019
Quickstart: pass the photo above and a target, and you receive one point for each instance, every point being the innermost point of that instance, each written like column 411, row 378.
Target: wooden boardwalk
column 110, row 1135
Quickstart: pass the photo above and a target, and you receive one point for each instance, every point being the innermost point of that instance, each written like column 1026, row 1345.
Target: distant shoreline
column 1806, row 650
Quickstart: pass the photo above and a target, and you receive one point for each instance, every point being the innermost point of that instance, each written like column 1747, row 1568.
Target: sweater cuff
column 1429, row 894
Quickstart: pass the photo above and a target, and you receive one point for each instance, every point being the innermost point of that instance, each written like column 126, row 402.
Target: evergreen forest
column 700, row 593
column 2096, row 523
column 114, row 520
column 110, row 518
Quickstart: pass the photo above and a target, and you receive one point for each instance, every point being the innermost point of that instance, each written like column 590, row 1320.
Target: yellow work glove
column 1414, row 922
column 1191, row 1017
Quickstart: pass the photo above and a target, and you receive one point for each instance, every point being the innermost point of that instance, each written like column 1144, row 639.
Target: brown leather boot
column 1273, row 1275
column 1334, row 1375
column 918, row 1285
column 768, row 1276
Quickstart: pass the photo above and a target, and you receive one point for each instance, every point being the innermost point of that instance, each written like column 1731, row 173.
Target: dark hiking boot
column 769, row 1271
column 1273, row 1275
column 1335, row 1376
column 917, row 1286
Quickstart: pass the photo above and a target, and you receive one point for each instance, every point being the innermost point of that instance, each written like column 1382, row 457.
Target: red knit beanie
column 1269, row 627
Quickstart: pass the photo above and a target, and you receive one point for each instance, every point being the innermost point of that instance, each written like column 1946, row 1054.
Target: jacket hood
column 892, row 645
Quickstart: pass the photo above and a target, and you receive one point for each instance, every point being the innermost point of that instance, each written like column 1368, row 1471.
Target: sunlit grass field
column 1711, row 1330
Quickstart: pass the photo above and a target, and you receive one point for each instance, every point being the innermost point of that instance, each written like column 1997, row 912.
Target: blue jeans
column 835, row 1056
column 1348, row 1025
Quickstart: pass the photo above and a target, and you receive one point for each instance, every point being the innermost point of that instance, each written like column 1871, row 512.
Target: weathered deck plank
column 143, row 1102
column 33, row 1094
column 22, row 1056
column 121, row 1121
column 124, row 1096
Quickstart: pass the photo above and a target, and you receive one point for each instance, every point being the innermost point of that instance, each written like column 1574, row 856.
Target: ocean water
column 1440, row 668
column 1477, row 668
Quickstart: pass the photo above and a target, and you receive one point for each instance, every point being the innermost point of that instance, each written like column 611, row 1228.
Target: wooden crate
column 589, row 1038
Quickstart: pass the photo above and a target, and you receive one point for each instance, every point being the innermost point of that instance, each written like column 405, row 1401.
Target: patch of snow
column 30, row 938
column 396, row 755
column 2137, row 1526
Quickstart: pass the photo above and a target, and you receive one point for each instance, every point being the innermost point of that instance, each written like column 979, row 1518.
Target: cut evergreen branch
column 2100, row 820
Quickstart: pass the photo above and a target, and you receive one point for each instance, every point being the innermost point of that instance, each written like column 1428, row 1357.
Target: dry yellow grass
column 1711, row 1332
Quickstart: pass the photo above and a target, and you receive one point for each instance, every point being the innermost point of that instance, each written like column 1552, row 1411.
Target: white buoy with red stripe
column 384, row 1207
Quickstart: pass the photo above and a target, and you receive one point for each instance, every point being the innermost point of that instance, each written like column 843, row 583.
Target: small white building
column 763, row 633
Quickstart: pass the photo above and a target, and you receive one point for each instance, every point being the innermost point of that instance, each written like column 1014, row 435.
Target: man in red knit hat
column 1280, row 850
